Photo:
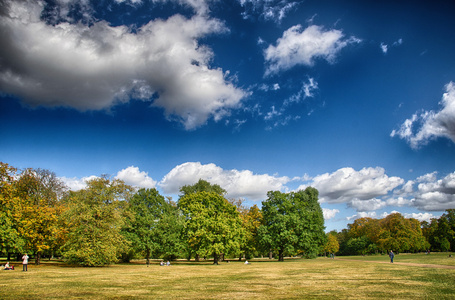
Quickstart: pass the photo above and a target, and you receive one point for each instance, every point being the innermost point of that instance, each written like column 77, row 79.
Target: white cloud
column 96, row 67
column 399, row 201
column 238, row 184
column 367, row 205
column 307, row 91
column 271, row 10
column 370, row 214
column 347, row 184
column 385, row 48
column 133, row 176
column 429, row 125
column 302, row 47
column 420, row 216
column 436, row 195
column 76, row 184
column 329, row 213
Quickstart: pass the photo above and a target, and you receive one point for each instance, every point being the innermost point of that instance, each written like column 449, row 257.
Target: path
column 403, row 263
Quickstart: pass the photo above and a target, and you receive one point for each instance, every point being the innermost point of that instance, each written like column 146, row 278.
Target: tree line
column 394, row 232
column 110, row 221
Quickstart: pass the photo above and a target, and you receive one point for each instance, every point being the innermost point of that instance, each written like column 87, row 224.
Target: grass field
column 321, row 278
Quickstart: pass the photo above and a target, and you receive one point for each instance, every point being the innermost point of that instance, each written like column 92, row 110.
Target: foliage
column 251, row 221
column 213, row 225
column 39, row 192
column 440, row 233
column 293, row 223
column 95, row 217
column 201, row 186
column 332, row 245
column 394, row 232
column 10, row 239
column 156, row 225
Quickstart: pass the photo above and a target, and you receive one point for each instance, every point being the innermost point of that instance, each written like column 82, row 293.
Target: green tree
column 293, row 222
column 201, row 186
column 156, row 225
column 213, row 225
column 10, row 239
column 95, row 217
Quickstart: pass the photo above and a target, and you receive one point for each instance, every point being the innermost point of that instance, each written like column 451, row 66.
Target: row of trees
column 394, row 232
column 110, row 220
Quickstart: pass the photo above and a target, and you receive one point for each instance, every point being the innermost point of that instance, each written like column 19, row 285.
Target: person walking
column 391, row 255
column 24, row 262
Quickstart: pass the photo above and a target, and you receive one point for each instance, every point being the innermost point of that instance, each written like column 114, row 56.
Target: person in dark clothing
column 391, row 255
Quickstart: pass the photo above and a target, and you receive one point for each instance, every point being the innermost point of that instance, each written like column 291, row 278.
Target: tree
column 293, row 222
column 95, row 217
column 201, row 186
column 213, row 225
column 251, row 221
column 363, row 236
column 10, row 239
column 156, row 226
column 40, row 192
column 332, row 245
column 400, row 234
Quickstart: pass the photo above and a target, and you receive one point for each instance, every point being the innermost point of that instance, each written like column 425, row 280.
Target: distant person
column 246, row 262
column 391, row 255
column 168, row 263
column 24, row 262
column 7, row 266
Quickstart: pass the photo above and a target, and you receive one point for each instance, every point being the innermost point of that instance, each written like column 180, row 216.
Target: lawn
column 321, row 278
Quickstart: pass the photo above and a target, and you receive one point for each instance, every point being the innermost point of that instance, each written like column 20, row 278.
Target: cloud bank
column 97, row 66
column 238, row 184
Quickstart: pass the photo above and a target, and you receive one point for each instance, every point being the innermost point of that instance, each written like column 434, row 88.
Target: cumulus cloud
column 238, row 184
column 329, row 213
column 436, row 195
column 96, row 66
column 133, row 176
column 347, row 184
column 367, row 205
column 429, row 125
column 303, row 47
column 420, row 216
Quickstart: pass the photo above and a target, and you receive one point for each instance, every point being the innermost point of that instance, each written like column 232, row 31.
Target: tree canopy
column 213, row 225
column 293, row 223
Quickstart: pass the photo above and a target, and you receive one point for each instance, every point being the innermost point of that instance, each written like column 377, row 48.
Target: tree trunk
column 147, row 254
column 197, row 257
column 280, row 255
column 270, row 254
column 37, row 258
column 215, row 258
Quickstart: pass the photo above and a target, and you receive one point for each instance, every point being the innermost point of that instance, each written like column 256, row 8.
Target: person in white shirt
column 24, row 262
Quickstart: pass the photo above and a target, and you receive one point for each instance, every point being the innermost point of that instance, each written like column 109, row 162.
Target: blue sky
column 355, row 98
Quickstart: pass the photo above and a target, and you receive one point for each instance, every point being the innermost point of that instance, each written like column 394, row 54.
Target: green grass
column 320, row 278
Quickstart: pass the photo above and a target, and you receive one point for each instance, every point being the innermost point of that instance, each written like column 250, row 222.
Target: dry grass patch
column 292, row 279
